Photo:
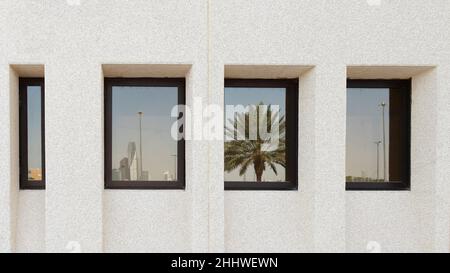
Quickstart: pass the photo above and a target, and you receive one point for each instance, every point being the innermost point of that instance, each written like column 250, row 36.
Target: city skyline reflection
column 142, row 146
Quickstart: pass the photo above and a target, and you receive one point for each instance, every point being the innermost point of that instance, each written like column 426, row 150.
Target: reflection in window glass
column 34, row 133
column 368, row 134
column 251, row 156
column 142, row 146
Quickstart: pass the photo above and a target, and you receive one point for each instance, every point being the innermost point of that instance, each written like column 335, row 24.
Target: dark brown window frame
column 292, row 101
column 403, row 86
column 152, row 184
column 24, row 183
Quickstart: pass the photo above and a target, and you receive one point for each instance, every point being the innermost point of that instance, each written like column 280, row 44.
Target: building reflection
column 130, row 168
column 35, row 174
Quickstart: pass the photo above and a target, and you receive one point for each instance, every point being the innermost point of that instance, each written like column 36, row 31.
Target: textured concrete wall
column 73, row 39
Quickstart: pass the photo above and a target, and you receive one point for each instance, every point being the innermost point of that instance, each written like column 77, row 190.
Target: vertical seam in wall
column 212, row 187
column 13, row 196
column 208, row 24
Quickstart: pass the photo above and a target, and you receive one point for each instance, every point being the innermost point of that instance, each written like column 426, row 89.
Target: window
column 140, row 152
column 261, row 126
column 31, row 133
column 378, row 134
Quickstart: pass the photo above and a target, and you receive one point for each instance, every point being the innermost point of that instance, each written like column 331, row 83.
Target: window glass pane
column 368, row 134
column 258, row 152
column 142, row 146
column 34, row 133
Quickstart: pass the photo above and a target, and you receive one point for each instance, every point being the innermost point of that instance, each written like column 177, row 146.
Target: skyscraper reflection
column 130, row 166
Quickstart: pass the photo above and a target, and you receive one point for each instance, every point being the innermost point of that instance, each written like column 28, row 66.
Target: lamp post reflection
column 383, row 105
column 378, row 158
column 174, row 166
column 140, row 113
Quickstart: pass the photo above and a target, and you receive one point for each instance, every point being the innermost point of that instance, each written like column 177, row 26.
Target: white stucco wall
column 320, row 42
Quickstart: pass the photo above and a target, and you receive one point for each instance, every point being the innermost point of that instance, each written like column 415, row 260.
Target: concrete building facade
column 75, row 44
